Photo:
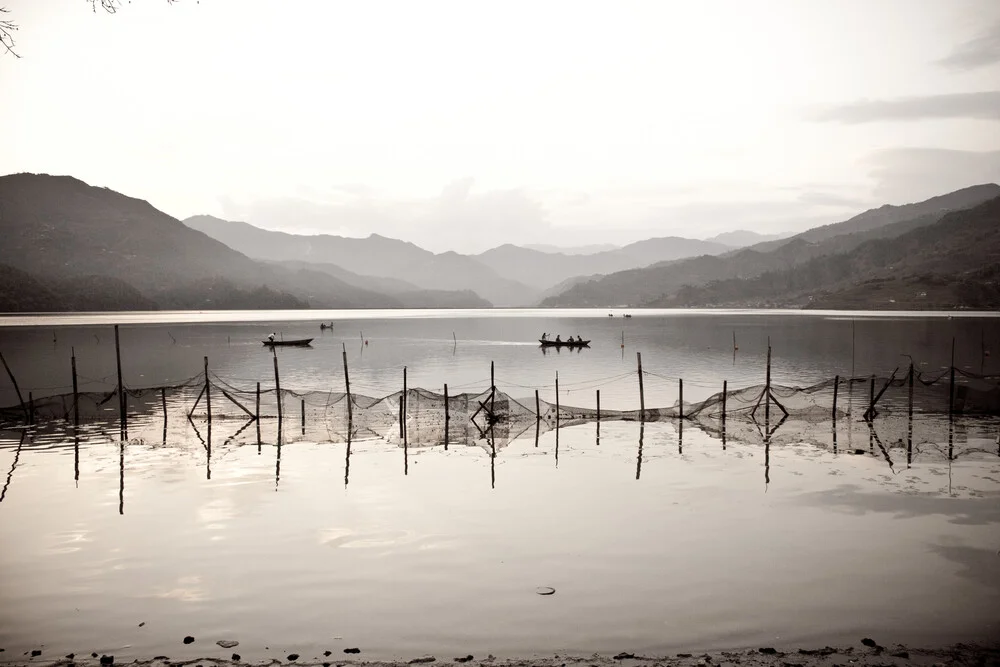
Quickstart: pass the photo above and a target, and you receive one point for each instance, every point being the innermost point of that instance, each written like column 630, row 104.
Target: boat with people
column 324, row 326
column 299, row 342
column 564, row 343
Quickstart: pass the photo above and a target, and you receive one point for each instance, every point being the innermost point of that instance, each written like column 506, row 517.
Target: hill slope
column 372, row 256
column 545, row 270
column 954, row 262
column 58, row 228
column 657, row 283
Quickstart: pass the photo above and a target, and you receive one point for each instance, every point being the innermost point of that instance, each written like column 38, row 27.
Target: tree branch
column 7, row 27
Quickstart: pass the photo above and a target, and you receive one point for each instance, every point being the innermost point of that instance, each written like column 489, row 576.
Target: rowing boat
column 301, row 342
column 564, row 343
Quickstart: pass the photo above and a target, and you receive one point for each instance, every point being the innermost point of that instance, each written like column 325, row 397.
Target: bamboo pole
column 538, row 407
column 598, row 405
column 208, row 393
column 257, row 405
column 836, row 387
column 725, row 393
column 163, row 402
column 951, row 385
column 909, row 420
column 277, row 386
column 17, row 389
column 680, row 399
column 31, row 409
column 237, row 403
column 76, row 393
column 402, row 405
column 871, row 400
column 196, row 402
column 767, row 386
column 347, row 383
column 447, row 417
column 557, row 402
column 122, row 404
column 303, row 404
column 642, row 394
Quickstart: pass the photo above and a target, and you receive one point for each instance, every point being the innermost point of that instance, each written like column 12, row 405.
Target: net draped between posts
column 483, row 417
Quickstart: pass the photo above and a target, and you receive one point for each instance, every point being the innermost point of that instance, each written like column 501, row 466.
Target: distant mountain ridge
column 374, row 255
column 656, row 283
column 68, row 245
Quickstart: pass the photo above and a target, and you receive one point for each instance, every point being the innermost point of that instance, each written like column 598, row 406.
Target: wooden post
column 447, row 417
column 163, row 401
column 303, row 416
column 76, row 393
column 680, row 398
column 257, row 410
column 122, row 404
column 17, row 389
column 836, row 387
column 909, row 421
column 402, row 405
column 277, row 386
column 538, row 407
column 31, row 409
column 598, row 405
column 642, row 394
column 725, row 393
column 347, row 384
column 871, row 400
column 767, row 386
column 208, row 392
column 557, row 400
column 951, row 385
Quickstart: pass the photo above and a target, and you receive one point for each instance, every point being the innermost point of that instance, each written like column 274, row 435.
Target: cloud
column 982, row 51
column 982, row 105
column 904, row 175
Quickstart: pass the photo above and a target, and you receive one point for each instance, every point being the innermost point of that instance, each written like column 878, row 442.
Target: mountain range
column 72, row 246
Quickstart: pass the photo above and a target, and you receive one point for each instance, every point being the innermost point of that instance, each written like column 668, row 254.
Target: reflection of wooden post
column 642, row 394
column 447, row 417
column 257, row 404
column 277, row 386
column 163, row 401
column 76, row 394
column 538, row 407
column 347, row 383
column 208, row 393
column 17, row 389
column 303, row 416
column 122, row 409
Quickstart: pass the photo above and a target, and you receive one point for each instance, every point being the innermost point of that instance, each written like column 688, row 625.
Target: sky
column 461, row 125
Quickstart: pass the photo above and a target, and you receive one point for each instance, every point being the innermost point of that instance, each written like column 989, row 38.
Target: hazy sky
column 462, row 125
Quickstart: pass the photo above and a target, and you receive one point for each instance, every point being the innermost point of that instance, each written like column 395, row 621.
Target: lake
column 656, row 537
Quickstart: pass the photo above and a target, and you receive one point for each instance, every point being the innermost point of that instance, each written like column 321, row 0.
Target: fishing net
column 872, row 413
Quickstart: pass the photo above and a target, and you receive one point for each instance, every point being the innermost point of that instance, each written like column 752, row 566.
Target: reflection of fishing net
column 749, row 414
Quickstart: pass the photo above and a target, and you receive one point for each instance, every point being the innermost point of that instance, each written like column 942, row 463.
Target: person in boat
column 270, row 338
column 558, row 340
column 545, row 336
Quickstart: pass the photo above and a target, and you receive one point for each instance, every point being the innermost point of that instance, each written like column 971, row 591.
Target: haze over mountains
column 71, row 246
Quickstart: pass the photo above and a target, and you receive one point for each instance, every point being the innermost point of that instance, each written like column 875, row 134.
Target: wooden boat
column 301, row 342
column 564, row 343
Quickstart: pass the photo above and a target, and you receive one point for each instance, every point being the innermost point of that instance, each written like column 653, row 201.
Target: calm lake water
column 655, row 539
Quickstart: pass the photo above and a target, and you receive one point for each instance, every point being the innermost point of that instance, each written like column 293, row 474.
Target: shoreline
column 866, row 653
